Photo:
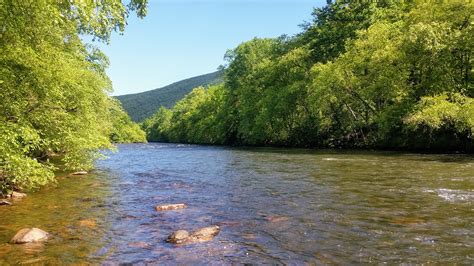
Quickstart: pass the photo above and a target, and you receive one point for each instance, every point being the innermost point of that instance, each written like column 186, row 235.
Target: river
column 277, row 206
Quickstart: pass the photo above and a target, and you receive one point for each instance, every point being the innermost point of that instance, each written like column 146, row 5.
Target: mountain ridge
column 142, row 105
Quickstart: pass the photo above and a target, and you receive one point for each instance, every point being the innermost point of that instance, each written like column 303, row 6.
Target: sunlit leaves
column 363, row 74
column 53, row 89
column 436, row 112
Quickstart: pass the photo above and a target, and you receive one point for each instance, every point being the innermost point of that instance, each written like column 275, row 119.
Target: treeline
column 383, row 74
column 54, row 93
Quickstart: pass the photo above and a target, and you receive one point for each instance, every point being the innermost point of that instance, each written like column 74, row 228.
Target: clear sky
column 184, row 38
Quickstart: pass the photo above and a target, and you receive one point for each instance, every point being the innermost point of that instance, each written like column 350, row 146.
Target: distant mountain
column 142, row 105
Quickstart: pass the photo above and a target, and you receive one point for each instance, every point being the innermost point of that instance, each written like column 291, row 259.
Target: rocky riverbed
column 185, row 204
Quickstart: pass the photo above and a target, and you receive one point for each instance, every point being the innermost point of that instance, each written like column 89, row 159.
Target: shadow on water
column 430, row 157
column 273, row 205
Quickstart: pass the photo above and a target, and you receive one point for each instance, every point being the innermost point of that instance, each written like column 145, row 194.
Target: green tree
column 364, row 74
column 157, row 126
column 124, row 130
column 53, row 89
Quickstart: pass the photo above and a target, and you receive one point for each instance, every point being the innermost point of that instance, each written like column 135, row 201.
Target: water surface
column 273, row 206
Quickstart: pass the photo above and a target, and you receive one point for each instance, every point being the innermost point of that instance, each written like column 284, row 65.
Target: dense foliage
column 362, row 74
column 53, row 88
column 143, row 105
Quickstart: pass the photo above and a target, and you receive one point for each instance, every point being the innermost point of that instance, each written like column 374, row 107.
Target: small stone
column 5, row 202
column 138, row 244
column 89, row 223
column 178, row 237
column 249, row 236
column 17, row 195
column 168, row 207
column 28, row 235
column 35, row 261
column 273, row 218
column 79, row 173
column 407, row 221
column 276, row 219
column 96, row 184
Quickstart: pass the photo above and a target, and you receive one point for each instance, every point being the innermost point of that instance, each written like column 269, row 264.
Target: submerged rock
column 230, row 223
column 89, row 223
column 5, row 202
column 80, row 173
column 17, row 195
column 178, row 237
column 202, row 235
column 276, row 219
column 96, row 184
column 407, row 221
column 28, row 235
column 168, row 207
column 249, row 236
column 138, row 245
column 273, row 218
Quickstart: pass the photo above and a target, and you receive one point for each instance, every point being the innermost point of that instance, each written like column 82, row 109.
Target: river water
column 278, row 206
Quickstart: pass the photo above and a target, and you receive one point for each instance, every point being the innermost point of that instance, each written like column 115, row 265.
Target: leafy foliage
column 54, row 91
column 442, row 111
column 362, row 74
column 124, row 130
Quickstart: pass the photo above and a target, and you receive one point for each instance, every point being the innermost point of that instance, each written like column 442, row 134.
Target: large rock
column 205, row 234
column 28, row 235
column 178, row 237
column 168, row 207
column 202, row 235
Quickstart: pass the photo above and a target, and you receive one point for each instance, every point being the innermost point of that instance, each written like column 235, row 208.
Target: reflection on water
column 273, row 205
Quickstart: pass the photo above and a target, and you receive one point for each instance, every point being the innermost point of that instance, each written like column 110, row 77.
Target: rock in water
column 276, row 219
column 168, row 207
column 89, row 223
column 202, row 235
column 178, row 237
column 17, row 195
column 138, row 245
column 5, row 202
column 205, row 234
column 79, row 173
column 28, row 235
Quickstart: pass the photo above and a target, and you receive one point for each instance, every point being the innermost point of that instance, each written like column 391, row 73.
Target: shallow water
column 273, row 206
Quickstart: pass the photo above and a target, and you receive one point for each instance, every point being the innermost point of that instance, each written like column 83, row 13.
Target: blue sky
column 183, row 38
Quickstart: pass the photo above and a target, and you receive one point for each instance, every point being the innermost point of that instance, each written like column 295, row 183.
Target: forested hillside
column 142, row 105
column 384, row 74
column 54, row 93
